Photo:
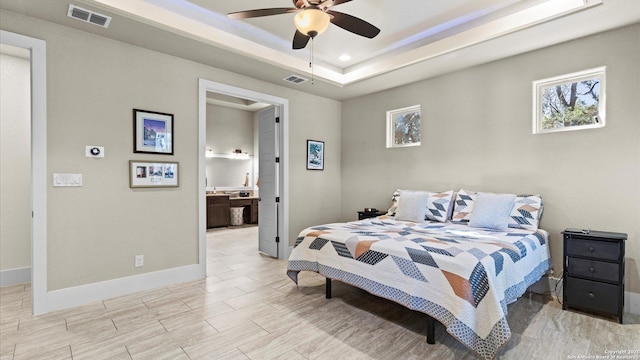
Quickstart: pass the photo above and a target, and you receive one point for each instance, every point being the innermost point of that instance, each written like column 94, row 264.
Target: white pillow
column 413, row 206
column 492, row 211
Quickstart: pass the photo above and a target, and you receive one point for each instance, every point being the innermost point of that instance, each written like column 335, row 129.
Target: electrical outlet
column 139, row 261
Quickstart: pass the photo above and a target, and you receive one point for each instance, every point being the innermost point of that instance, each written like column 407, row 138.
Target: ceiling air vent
column 88, row 16
column 295, row 79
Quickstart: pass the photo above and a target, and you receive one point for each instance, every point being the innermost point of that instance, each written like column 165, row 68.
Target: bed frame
column 431, row 323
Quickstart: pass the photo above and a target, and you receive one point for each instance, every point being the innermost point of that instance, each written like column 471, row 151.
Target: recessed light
column 345, row 57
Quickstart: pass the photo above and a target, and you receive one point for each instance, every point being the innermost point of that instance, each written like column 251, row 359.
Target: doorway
column 281, row 185
column 38, row 145
column 232, row 165
column 15, row 165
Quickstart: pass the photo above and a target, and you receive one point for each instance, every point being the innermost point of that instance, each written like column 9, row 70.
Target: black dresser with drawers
column 593, row 278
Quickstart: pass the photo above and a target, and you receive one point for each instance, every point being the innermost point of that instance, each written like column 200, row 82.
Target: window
column 570, row 102
column 403, row 127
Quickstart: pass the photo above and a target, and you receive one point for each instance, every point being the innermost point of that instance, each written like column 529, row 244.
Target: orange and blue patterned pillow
column 439, row 205
column 395, row 201
column 525, row 214
column 463, row 207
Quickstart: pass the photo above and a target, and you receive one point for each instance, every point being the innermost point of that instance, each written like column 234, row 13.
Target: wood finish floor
column 247, row 308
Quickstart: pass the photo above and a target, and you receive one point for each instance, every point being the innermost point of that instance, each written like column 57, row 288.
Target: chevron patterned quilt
column 464, row 277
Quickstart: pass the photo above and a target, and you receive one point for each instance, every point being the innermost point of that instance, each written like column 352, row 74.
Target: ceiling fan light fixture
column 312, row 22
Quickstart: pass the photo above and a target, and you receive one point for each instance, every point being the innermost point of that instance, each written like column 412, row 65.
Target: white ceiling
column 418, row 39
column 234, row 102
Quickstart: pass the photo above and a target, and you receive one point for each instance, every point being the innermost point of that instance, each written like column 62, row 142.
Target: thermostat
column 94, row 151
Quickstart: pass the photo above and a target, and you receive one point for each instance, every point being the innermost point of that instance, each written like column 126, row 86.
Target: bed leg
column 431, row 333
column 328, row 289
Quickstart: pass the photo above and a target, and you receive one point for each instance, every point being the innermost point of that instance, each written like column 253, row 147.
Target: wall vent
column 295, row 79
column 88, row 16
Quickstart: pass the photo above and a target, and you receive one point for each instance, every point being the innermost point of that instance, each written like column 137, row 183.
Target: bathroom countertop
column 235, row 197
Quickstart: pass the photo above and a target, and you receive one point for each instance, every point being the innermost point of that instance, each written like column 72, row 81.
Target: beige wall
column 477, row 135
column 93, row 84
column 229, row 129
column 316, row 194
column 15, row 163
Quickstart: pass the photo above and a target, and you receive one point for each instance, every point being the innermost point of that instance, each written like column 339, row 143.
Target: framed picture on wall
column 315, row 155
column 146, row 174
column 152, row 132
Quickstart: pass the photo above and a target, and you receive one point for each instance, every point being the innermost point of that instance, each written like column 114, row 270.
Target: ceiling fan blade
column 353, row 24
column 260, row 12
column 300, row 40
column 338, row 2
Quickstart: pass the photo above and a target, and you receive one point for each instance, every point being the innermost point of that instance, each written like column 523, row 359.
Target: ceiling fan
column 313, row 18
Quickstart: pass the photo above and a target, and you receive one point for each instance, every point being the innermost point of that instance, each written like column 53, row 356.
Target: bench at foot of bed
column 431, row 323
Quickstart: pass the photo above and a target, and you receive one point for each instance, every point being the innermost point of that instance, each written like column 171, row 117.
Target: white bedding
column 463, row 277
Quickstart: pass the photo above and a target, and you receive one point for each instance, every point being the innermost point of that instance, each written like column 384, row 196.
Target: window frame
column 540, row 85
column 390, row 126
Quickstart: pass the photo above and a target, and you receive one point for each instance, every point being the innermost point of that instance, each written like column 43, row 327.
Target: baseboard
column 84, row 294
column 15, row 276
column 632, row 303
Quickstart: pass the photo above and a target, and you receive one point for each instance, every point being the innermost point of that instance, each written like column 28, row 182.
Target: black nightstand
column 593, row 277
column 365, row 215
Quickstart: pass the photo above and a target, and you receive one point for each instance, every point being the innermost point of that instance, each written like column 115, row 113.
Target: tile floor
column 247, row 308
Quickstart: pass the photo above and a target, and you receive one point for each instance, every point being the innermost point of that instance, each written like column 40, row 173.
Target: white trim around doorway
column 283, row 104
column 38, row 49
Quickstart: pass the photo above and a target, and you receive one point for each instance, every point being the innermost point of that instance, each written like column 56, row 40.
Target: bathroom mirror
column 229, row 173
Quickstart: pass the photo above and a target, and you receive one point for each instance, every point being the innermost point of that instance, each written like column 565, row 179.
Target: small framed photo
column 573, row 101
column 146, row 174
column 403, row 127
column 315, row 155
column 152, row 132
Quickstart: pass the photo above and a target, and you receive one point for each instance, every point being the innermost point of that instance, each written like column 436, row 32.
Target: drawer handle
column 591, row 249
column 592, row 270
column 591, row 295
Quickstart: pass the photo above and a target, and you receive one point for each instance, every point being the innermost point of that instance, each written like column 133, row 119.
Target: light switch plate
column 67, row 180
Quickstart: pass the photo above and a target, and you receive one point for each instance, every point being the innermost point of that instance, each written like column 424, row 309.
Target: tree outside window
column 570, row 102
column 404, row 127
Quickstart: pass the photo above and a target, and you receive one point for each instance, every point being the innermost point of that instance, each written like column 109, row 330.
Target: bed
column 462, row 276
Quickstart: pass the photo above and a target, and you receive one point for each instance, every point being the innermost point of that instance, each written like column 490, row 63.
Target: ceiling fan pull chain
column 311, row 62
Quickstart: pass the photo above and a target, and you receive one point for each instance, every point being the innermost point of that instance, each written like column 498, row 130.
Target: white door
column 268, row 207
